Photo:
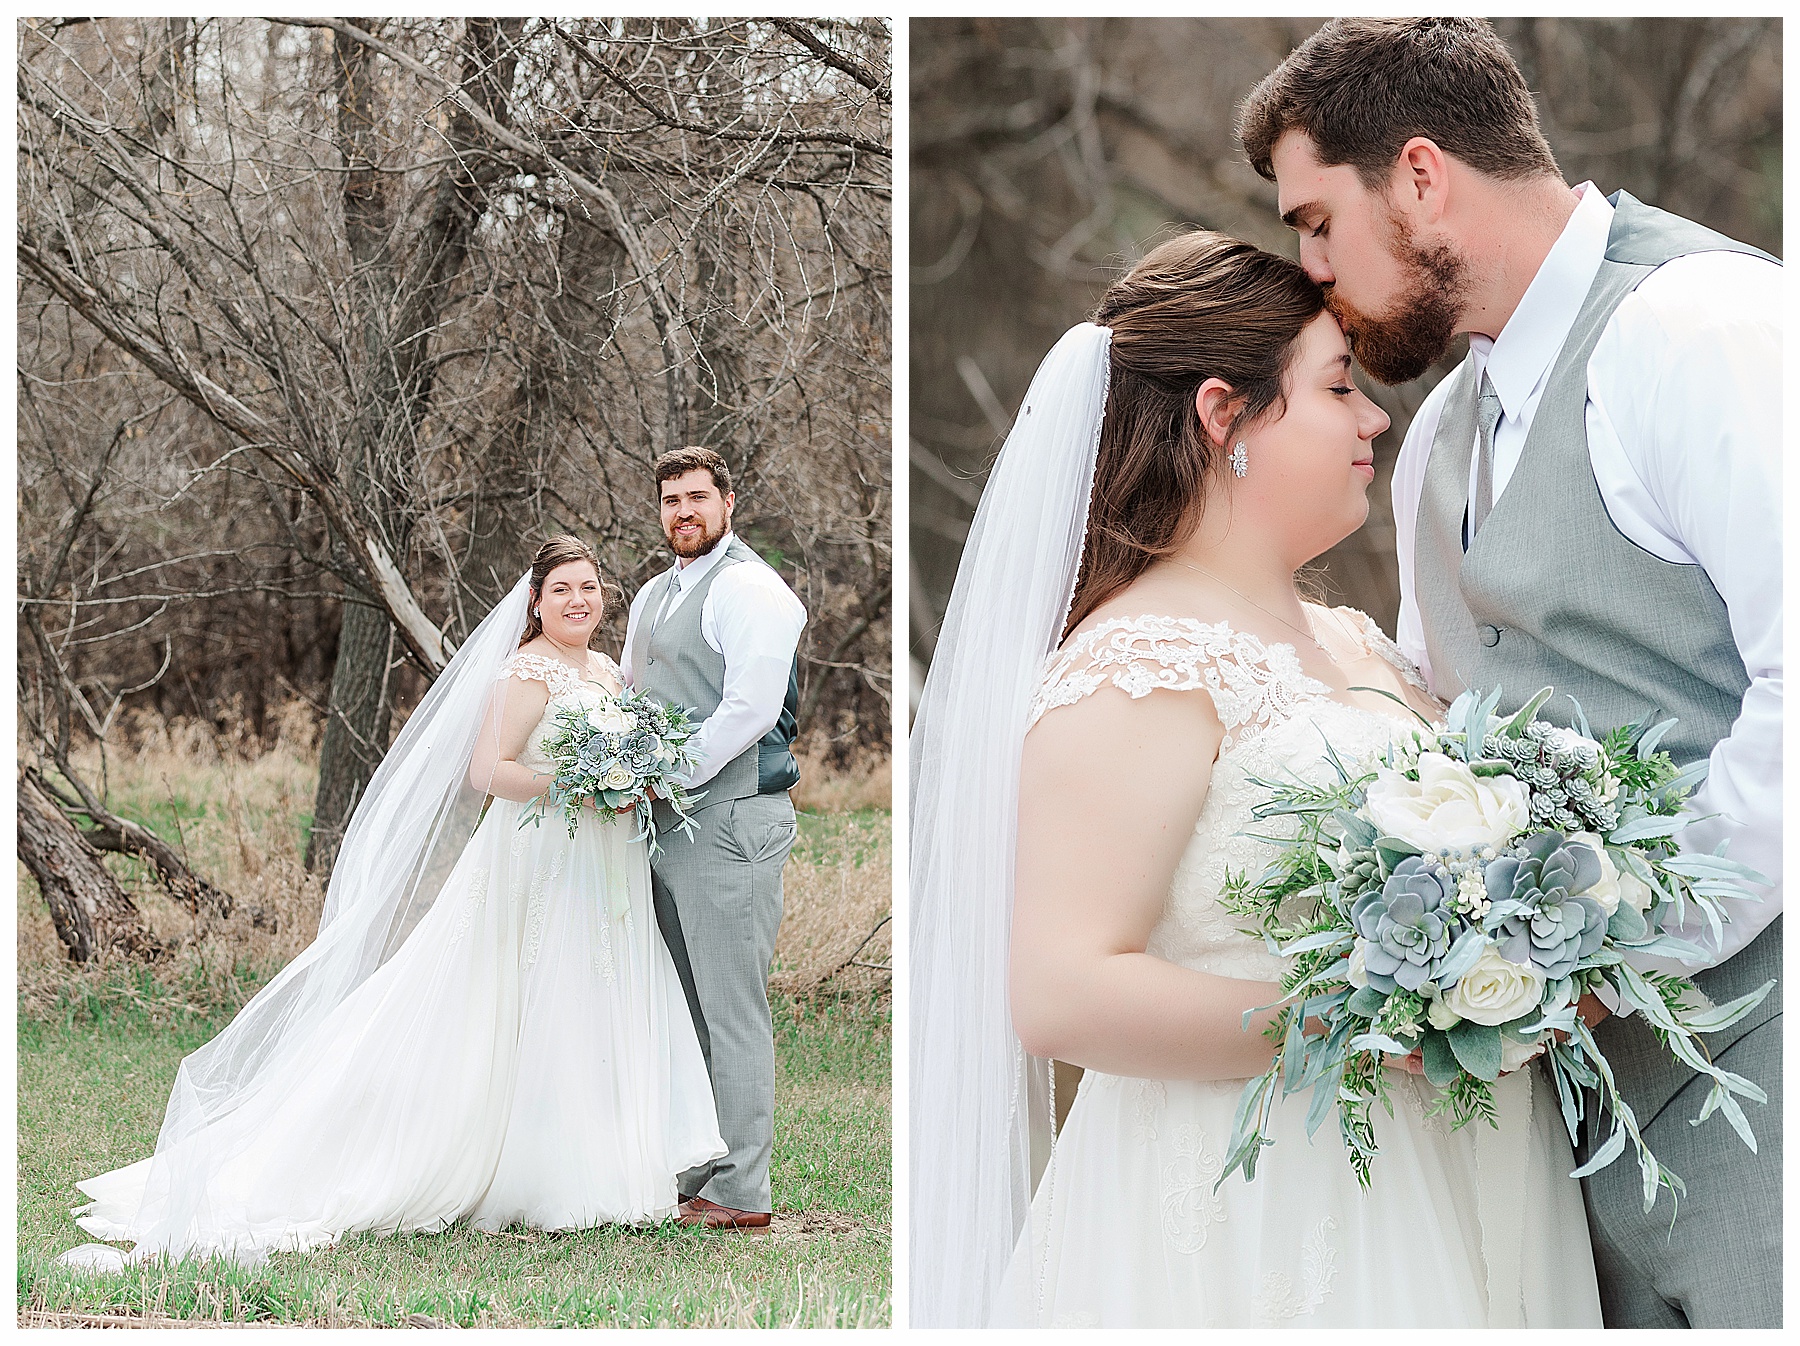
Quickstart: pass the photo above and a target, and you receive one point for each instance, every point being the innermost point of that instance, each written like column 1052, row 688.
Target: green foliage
column 1636, row 775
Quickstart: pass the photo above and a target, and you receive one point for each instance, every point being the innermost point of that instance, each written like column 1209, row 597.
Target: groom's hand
column 1591, row 1010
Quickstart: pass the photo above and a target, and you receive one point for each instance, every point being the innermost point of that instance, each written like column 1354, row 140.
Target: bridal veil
column 404, row 836
column 976, row 1098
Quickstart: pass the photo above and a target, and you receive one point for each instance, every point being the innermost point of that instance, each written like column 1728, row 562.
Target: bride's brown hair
column 556, row 551
column 1199, row 307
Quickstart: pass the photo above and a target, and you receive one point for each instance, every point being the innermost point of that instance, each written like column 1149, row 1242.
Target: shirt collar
column 1517, row 360
column 686, row 576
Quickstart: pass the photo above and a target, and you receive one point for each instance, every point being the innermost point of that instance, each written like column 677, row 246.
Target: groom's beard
column 698, row 545
column 1401, row 344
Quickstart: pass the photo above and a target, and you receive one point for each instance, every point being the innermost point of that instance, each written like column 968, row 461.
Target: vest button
column 1490, row 636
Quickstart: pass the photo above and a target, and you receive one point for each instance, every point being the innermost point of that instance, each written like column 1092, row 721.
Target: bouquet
column 1456, row 896
column 613, row 755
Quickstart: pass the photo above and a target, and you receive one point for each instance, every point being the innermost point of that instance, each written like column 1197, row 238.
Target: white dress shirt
column 753, row 620
column 1684, row 433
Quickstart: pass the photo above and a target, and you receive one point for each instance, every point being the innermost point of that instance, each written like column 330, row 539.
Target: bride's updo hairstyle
column 556, row 551
column 1199, row 307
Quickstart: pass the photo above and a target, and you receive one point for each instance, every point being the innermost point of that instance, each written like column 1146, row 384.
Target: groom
column 1592, row 500
column 717, row 634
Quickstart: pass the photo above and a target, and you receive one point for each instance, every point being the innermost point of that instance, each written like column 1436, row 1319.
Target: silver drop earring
column 1240, row 460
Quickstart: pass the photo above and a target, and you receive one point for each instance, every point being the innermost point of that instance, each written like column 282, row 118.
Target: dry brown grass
column 866, row 783
column 833, row 910
column 237, row 807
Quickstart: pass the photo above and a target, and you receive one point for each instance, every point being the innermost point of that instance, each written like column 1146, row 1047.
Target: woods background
column 1047, row 154
column 324, row 324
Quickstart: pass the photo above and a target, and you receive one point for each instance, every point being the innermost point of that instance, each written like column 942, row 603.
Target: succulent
column 1545, row 920
column 1358, row 871
column 1562, row 768
column 639, row 751
column 1407, row 925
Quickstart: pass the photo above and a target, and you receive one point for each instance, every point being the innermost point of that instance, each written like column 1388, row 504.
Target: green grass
column 854, row 837
column 94, row 1075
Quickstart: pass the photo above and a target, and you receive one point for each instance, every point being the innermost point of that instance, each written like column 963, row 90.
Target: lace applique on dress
column 1147, row 1103
column 1189, row 1200
column 1253, row 686
column 1376, row 641
column 553, row 673
column 1277, row 1300
column 472, row 900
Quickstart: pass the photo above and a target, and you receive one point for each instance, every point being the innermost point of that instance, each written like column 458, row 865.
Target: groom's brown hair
column 1359, row 89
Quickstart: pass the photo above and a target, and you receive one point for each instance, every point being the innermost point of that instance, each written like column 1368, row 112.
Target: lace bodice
column 564, row 682
column 1277, row 721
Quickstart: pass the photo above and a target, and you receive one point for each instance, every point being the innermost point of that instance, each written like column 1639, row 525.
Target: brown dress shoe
column 700, row 1213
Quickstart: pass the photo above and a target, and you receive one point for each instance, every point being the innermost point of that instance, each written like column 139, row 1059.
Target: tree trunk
column 120, row 836
column 356, row 734
column 92, row 914
column 394, row 382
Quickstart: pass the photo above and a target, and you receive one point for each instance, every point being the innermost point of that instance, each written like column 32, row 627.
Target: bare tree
column 323, row 322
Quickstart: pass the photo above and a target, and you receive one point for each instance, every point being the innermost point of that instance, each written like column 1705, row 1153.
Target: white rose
column 1607, row 890
column 617, row 779
column 1634, row 892
column 1449, row 807
column 1358, row 973
column 609, row 719
column 1496, row 990
column 1442, row 1017
column 1515, row 1054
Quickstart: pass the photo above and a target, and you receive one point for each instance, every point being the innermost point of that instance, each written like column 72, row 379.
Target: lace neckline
column 559, row 677
column 1255, row 685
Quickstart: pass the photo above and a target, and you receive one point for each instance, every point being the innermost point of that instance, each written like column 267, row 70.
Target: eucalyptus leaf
column 1723, row 1016
column 1390, row 852
column 1463, row 955
column 1324, row 1095
column 1694, row 865
column 1614, row 1147
column 1515, row 727
column 1580, row 719
column 1477, row 1049
column 1739, row 1123
column 1647, row 744
column 1325, row 939
column 1378, row 1042
column 1627, row 924
column 1565, row 1097
column 1441, row 1067
column 1651, row 826
column 1358, row 833
column 1293, row 1053
column 1668, row 946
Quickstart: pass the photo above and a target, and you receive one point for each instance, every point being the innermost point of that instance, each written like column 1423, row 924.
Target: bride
column 488, row 1026
column 1125, row 655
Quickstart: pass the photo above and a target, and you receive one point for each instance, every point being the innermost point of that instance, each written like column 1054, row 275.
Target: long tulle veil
column 975, row 1098
column 416, row 816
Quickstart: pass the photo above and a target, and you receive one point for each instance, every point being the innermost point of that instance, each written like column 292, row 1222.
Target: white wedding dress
column 1461, row 1228
column 525, row 1057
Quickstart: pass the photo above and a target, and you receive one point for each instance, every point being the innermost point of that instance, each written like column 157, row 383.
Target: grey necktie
column 668, row 600
column 1487, row 416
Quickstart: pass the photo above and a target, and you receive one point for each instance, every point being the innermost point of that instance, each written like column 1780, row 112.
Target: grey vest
column 674, row 664
column 1551, row 593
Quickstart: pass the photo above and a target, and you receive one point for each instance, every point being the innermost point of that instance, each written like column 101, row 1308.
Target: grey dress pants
column 718, row 903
